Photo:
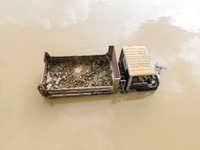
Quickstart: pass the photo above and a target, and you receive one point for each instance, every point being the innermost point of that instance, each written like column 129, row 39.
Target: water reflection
column 46, row 13
column 125, row 15
column 190, row 50
column 161, row 38
column 186, row 18
column 112, row 98
column 178, row 88
column 191, row 54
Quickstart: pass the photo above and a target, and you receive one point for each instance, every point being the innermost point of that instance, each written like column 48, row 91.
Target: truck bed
column 79, row 75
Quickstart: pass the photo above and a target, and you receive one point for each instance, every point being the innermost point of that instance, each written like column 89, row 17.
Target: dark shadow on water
column 114, row 98
column 137, row 95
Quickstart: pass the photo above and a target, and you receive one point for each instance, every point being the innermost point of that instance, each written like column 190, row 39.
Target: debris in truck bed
column 88, row 74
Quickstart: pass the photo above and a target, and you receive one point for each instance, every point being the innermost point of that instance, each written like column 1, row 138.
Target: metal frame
column 82, row 90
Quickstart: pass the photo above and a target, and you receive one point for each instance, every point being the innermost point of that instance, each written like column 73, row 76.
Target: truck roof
column 138, row 61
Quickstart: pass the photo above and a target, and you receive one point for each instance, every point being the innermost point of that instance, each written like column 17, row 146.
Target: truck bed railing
column 91, row 90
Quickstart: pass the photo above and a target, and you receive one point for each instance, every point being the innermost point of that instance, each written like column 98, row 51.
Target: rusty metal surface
column 78, row 90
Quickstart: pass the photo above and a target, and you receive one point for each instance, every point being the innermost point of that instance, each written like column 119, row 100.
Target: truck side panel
column 62, row 92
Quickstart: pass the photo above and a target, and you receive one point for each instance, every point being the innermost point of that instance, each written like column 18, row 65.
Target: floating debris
column 159, row 67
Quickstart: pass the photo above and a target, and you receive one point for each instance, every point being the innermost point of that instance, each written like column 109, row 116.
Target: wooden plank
column 138, row 61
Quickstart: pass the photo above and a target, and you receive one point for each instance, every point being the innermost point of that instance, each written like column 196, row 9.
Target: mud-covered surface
column 74, row 75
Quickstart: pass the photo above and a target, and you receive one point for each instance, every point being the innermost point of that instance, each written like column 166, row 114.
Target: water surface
column 167, row 118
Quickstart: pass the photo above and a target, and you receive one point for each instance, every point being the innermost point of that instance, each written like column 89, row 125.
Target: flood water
column 165, row 119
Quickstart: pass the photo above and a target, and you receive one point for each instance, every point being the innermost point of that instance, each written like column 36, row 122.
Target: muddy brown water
column 167, row 118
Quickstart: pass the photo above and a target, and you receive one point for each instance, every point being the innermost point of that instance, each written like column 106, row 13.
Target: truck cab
column 137, row 70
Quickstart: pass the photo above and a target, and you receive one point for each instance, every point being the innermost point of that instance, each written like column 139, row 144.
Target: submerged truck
column 98, row 74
